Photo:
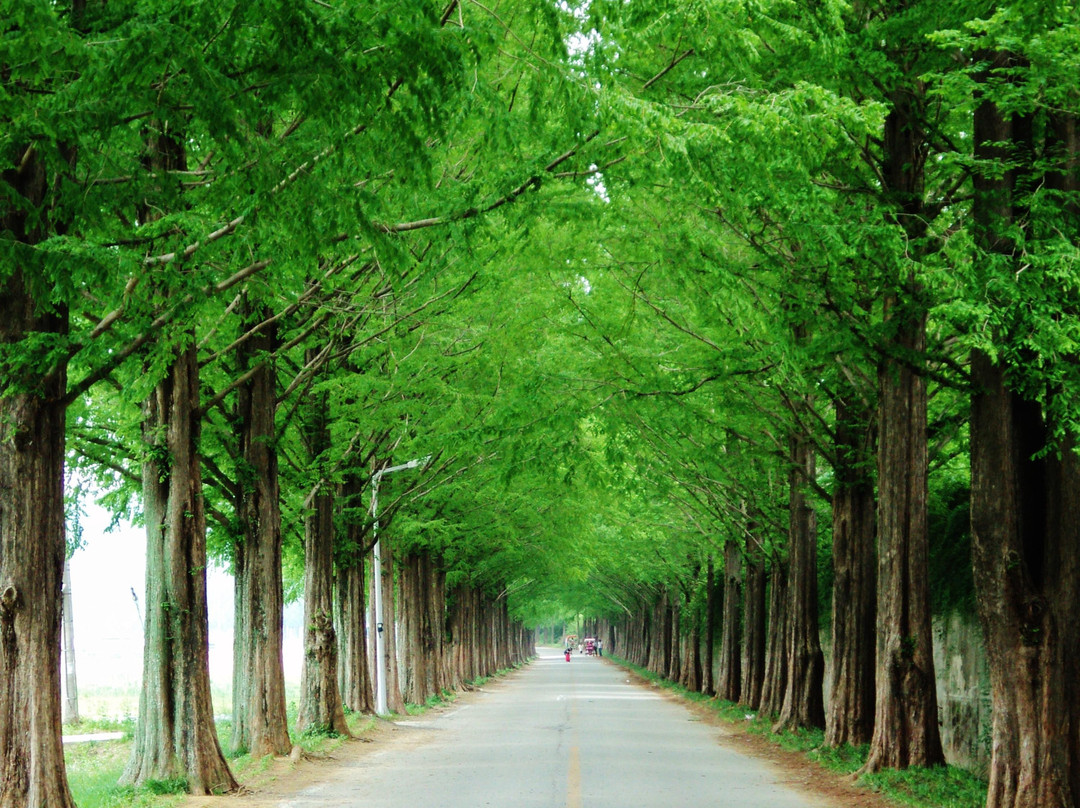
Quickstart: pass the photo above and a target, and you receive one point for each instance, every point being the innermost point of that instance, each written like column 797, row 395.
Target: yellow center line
column 573, row 777
column 573, row 785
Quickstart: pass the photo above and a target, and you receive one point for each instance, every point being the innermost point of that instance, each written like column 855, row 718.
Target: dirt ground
column 283, row 778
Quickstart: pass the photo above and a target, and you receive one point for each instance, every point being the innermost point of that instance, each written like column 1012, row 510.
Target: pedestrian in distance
column 568, row 653
column 599, row 647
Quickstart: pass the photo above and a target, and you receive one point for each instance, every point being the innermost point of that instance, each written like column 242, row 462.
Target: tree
column 850, row 718
column 32, row 546
column 1024, row 464
column 260, row 725
column 803, row 702
column 320, row 699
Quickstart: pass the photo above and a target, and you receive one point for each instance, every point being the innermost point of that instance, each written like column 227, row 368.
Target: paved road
column 557, row 735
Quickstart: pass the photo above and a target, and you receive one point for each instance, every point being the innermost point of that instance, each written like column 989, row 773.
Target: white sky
column 108, row 631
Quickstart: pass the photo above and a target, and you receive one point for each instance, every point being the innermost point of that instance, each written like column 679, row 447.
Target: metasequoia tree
column 803, row 701
column 850, row 717
column 754, row 620
column 320, row 699
column 34, row 328
column 906, row 719
column 176, row 736
column 33, row 380
column 1025, row 469
column 350, row 614
column 259, row 722
column 729, row 683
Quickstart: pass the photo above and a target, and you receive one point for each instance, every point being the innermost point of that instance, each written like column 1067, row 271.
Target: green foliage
column 94, row 768
column 177, row 785
column 951, row 585
column 597, row 263
column 941, row 787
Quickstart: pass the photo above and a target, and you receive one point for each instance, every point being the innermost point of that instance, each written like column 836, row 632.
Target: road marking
column 573, row 787
column 573, row 775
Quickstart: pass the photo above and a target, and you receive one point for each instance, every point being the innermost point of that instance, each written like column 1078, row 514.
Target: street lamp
column 380, row 642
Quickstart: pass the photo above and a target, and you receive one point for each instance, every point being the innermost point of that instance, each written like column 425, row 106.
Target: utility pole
column 71, row 687
column 381, row 666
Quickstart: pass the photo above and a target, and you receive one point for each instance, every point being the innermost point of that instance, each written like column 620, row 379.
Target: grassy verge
column 941, row 787
column 94, row 768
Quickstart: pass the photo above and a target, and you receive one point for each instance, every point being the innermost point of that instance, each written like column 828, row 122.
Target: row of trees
column 861, row 282
column 233, row 237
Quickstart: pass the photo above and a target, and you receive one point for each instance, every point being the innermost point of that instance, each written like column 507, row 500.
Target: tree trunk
column 320, row 700
column 1025, row 520
column 708, row 685
column 674, row 659
column 434, row 628
column 395, row 702
column 730, row 681
column 411, row 610
column 32, row 418
column 906, row 716
column 754, row 626
column 690, row 664
column 354, row 679
column 260, row 726
column 176, row 736
column 1026, row 547
column 804, row 697
column 851, row 703
column 774, row 680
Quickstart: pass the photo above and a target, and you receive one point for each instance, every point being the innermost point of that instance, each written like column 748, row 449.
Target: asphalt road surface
column 554, row 735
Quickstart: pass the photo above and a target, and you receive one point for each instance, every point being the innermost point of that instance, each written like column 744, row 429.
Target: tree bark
column 320, row 700
column 32, row 545
column 32, row 540
column 354, row 675
column 434, row 628
column 708, row 683
column 176, row 736
column 260, row 725
column 850, row 719
column 774, row 680
column 906, row 715
column 395, row 701
column 1025, row 519
column 1026, row 546
column 804, row 704
column 690, row 664
column 730, row 681
column 754, row 611
column 674, row 658
column 411, row 608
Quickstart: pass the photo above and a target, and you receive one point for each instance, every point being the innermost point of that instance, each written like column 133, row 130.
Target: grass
column 93, row 770
column 446, row 697
column 948, row 787
column 938, row 787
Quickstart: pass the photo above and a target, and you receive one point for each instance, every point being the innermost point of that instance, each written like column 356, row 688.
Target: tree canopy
column 601, row 266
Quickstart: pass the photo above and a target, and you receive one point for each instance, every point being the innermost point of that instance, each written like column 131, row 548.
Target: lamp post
column 380, row 644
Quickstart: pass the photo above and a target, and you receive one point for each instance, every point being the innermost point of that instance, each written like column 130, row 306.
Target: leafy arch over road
column 676, row 313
